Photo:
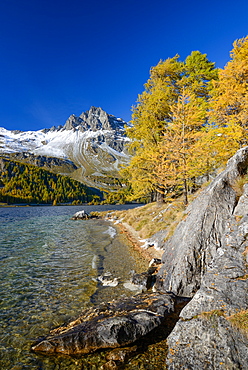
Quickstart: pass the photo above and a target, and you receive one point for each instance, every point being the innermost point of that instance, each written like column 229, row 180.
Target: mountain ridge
column 94, row 144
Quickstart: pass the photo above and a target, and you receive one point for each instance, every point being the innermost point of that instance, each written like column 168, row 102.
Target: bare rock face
column 202, row 236
column 109, row 325
column 72, row 122
column 207, row 258
column 95, row 119
column 207, row 343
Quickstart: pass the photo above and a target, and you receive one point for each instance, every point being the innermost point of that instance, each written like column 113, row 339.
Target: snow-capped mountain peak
column 94, row 142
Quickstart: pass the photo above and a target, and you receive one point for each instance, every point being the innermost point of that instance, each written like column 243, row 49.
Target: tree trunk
column 185, row 192
column 159, row 196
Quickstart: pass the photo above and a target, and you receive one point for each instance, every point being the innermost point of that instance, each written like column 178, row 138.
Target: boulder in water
column 109, row 325
column 81, row 215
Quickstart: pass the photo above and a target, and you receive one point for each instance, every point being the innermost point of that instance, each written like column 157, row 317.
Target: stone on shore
column 81, row 215
column 145, row 280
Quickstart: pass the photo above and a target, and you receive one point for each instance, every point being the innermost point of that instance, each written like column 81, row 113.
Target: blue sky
column 59, row 57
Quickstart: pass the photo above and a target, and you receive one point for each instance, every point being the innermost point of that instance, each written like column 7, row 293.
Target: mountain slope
column 90, row 148
column 25, row 183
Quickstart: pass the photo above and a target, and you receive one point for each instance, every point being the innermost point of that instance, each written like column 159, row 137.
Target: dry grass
column 211, row 314
column 238, row 185
column 153, row 217
column 240, row 320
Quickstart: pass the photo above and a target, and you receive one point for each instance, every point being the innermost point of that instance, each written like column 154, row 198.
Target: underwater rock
column 108, row 280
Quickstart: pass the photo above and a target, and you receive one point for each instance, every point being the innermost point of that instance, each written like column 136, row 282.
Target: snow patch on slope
column 51, row 143
column 94, row 142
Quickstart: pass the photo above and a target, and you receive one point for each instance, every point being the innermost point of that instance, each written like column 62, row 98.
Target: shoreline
column 21, row 205
column 133, row 237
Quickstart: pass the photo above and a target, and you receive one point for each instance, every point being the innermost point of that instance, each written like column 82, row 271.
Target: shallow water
column 49, row 266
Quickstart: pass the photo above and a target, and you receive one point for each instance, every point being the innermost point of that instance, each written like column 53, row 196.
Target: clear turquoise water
column 49, row 265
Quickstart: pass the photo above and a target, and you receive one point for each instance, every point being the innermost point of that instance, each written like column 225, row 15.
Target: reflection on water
column 49, row 266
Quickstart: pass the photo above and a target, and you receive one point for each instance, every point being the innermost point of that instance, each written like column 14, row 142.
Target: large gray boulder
column 206, row 259
column 200, row 236
column 109, row 325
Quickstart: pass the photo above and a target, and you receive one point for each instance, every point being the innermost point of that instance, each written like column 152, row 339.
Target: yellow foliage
column 230, row 99
column 166, row 122
column 187, row 123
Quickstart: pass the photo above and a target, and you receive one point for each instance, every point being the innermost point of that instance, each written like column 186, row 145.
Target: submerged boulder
column 109, row 325
column 107, row 279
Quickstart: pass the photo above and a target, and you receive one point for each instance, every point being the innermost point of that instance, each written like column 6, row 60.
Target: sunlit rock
column 81, row 215
column 109, row 325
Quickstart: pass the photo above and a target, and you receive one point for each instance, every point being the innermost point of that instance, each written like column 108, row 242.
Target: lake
column 49, row 266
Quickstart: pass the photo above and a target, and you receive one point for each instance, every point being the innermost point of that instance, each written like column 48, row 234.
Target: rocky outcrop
column 109, row 325
column 207, row 259
column 94, row 119
column 199, row 237
column 97, row 119
column 72, row 122
column 209, row 342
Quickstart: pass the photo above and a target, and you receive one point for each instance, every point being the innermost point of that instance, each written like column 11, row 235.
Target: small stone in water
column 110, row 365
column 122, row 354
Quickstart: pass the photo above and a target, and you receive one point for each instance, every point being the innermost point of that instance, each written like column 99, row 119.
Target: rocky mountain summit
column 89, row 148
column 95, row 119
column 204, row 269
